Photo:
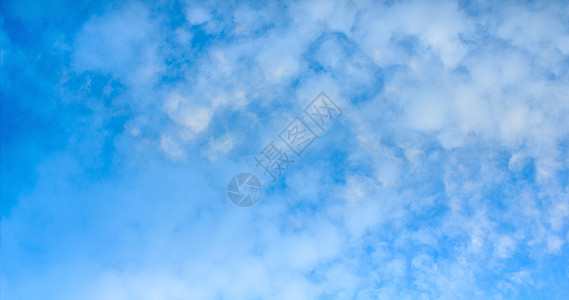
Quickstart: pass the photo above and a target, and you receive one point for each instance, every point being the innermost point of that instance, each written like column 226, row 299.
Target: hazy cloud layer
column 446, row 177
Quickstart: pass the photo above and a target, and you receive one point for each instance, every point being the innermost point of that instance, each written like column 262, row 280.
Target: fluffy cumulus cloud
column 445, row 177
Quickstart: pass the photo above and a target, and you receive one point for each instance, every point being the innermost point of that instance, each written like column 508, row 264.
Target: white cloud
column 504, row 247
column 171, row 148
column 122, row 43
column 220, row 146
column 197, row 15
column 439, row 160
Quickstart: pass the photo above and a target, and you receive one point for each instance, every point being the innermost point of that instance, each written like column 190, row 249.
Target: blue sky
column 446, row 177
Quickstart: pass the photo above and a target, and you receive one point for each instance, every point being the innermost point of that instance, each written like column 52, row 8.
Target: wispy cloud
column 446, row 177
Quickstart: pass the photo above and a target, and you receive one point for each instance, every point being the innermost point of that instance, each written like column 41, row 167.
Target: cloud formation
column 446, row 177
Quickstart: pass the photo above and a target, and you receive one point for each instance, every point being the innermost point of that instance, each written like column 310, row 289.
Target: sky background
column 446, row 177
